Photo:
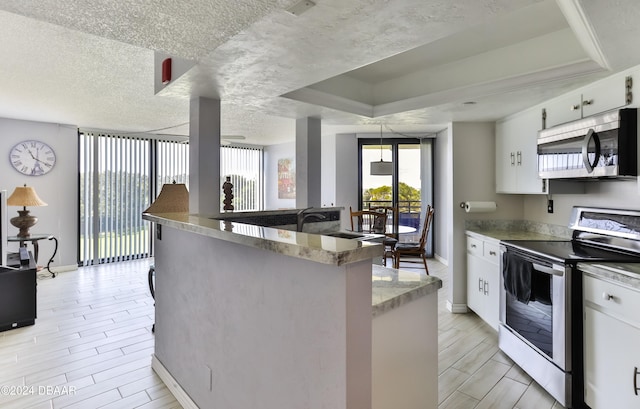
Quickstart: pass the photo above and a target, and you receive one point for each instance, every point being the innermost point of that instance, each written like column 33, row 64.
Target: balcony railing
column 408, row 214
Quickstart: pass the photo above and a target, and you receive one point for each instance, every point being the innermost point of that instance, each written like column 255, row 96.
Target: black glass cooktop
column 569, row 251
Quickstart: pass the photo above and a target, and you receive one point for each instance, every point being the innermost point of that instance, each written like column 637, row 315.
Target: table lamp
column 173, row 198
column 24, row 196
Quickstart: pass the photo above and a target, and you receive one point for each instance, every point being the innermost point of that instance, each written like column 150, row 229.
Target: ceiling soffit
column 468, row 65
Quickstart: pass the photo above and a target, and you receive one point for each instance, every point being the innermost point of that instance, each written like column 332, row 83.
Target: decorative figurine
column 227, row 188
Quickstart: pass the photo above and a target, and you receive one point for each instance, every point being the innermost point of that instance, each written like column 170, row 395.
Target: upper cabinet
column 563, row 109
column 610, row 93
column 516, row 155
column 517, row 135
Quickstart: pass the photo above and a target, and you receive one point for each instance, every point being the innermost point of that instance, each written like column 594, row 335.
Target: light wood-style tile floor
column 91, row 348
column 91, row 345
column 473, row 372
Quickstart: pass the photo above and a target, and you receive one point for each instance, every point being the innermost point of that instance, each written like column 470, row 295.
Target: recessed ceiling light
column 300, row 7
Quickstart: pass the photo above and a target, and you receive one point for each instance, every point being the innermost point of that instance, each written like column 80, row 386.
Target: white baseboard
column 63, row 269
column 441, row 260
column 457, row 308
column 173, row 386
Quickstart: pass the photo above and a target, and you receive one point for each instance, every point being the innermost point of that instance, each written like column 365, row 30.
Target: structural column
column 308, row 163
column 204, row 156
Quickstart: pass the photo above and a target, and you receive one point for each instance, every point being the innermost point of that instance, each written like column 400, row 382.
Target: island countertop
column 314, row 247
column 392, row 288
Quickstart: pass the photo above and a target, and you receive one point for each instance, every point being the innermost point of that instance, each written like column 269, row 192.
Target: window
column 244, row 164
column 119, row 176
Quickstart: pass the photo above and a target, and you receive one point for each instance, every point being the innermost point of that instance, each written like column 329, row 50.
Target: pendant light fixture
column 381, row 167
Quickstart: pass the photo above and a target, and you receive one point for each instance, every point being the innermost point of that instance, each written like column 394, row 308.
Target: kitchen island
column 252, row 316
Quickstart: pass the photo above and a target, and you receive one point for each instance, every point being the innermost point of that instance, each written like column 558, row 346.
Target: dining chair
column 368, row 221
column 391, row 230
column 415, row 249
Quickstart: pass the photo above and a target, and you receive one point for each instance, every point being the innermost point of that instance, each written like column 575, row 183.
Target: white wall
column 442, row 192
column 58, row 188
column 346, row 177
column 328, row 149
column 615, row 194
column 272, row 154
column 471, row 161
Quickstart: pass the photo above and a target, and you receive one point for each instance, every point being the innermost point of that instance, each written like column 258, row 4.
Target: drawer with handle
column 492, row 253
column 619, row 301
column 474, row 246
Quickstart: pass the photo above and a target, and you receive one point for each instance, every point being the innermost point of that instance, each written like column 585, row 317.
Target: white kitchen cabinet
column 604, row 95
column 611, row 338
column 563, row 109
column 516, row 155
column 483, row 279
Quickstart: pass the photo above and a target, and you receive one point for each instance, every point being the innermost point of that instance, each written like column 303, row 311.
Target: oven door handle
column 555, row 269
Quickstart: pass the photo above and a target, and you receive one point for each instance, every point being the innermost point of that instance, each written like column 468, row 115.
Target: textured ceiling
column 92, row 64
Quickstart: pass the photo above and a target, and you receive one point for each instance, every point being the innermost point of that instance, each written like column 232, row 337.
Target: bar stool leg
column 152, row 271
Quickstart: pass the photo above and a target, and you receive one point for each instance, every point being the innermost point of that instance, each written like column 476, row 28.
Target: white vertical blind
column 172, row 164
column 244, row 164
column 115, row 187
column 121, row 174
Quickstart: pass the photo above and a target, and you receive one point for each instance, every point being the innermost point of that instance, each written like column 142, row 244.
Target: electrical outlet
column 550, row 206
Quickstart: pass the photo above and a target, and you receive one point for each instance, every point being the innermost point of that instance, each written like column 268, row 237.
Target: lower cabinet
column 483, row 279
column 611, row 339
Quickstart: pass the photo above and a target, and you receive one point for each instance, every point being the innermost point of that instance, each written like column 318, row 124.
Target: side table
column 34, row 238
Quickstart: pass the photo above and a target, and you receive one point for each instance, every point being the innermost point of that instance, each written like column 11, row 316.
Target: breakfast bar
column 237, row 303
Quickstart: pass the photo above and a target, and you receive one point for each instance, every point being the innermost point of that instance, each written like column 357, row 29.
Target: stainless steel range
column 541, row 297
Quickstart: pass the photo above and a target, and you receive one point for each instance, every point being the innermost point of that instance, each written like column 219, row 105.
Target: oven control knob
column 607, row 296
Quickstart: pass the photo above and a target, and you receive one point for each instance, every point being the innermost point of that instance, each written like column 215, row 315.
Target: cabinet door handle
column 473, row 246
column 587, row 102
column 486, row 287
column 480, row 284
column 635, row 380
column 492, row 253
column 519, row 158
column 608, row 297
column 575, row 107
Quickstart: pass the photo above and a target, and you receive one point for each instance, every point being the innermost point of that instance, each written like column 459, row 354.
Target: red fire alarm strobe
column 166, row 71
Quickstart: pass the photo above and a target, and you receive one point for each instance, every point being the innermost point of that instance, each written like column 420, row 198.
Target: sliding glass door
column 409, row 187
column 119, row 177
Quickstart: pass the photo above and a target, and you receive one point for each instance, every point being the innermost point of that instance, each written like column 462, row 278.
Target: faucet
column 302, row 216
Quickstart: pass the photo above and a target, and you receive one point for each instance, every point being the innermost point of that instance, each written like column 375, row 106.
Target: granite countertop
column 498, row 234
column 516, row 230
column 308, row 246
column 392, row 288
column 626, row 274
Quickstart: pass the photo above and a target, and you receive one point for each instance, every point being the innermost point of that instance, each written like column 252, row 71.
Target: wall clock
column 32, row 158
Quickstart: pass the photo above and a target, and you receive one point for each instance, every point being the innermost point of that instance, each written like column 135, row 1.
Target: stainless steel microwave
column 603, row 145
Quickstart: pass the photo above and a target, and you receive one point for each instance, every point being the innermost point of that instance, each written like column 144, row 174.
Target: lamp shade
column 25, row 196
column 381, row 168
column 173, row 198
